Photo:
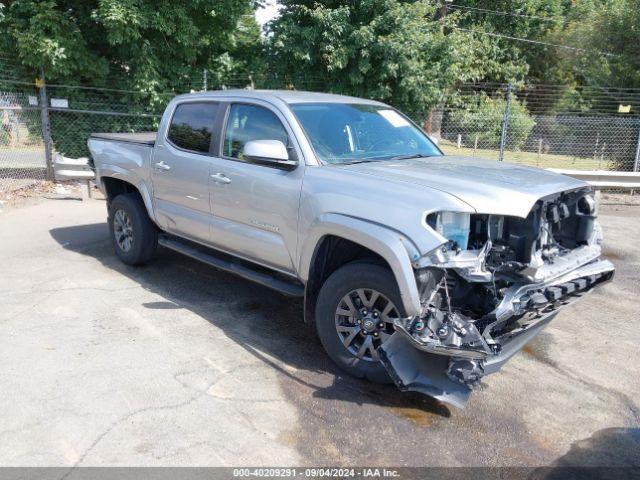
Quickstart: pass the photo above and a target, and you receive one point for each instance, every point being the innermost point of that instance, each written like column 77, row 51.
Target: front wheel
column 134, row 235
column 355, row 314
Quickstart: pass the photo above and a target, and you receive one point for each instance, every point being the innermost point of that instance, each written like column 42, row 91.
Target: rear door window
column 191, row 126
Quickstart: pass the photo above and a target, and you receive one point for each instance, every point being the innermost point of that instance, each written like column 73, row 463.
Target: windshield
column 351, row 133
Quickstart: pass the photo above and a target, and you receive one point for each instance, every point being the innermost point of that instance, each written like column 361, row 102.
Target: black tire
column 353, row 276
column 143, row 232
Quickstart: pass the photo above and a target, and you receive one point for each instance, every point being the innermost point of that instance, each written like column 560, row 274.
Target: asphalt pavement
column 176, row 363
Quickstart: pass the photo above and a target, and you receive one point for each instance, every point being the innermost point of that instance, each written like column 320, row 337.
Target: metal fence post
column 505, row 123
column 636, row 163
column 46, row 126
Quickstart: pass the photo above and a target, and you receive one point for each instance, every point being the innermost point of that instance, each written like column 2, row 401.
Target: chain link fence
column 490, row 121
column 500, row 126
column 62, row 118
column 563, row 141
column 22, row 156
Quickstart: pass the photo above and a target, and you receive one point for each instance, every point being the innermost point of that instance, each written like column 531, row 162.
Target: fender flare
column 119, row 173
column 397, row 250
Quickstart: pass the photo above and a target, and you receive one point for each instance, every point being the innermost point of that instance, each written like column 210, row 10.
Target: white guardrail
column 604, row 178
column 79, row 169
column 73, row 169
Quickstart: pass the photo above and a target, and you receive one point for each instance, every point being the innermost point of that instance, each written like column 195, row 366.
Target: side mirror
column 269, row 152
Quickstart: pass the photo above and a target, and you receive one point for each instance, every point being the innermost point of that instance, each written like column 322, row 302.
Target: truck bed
column 143, row 138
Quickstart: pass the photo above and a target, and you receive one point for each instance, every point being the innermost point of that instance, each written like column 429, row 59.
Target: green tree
column 482, row 121
column 609, row 33
column 537, row 20
column 145, row 45
column 602, row 36
column 392, row 50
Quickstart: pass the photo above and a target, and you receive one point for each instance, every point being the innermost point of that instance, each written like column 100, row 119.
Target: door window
column 251, row 122
column 192, row 125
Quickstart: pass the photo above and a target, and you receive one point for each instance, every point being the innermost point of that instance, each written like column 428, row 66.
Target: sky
column 267, row 12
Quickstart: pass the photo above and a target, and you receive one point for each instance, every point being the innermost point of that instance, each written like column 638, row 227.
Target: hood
column 487, row 186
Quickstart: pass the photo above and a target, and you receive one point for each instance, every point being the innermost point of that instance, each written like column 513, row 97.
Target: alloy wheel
column 122, row 230
column 365, row 320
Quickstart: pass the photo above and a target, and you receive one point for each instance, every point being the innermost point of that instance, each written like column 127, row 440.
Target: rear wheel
column 355, row 314
column 133, row 234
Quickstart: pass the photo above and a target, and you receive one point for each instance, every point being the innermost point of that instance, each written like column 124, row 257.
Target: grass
column 544, row 160
column 19, row 139
column 21, row 148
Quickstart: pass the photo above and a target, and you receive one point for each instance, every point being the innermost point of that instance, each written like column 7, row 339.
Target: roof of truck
column 287, row 96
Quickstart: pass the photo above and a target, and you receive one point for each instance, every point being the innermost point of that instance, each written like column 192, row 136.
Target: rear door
column 180, row 169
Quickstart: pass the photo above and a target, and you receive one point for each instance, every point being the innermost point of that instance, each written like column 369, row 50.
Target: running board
column 228, row 263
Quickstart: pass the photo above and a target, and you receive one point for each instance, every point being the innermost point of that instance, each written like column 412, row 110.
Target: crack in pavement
column 622, row 397
column 71, row 289
column 173, row 406
column 22, row 312
column 113, row 425
column 19, row 429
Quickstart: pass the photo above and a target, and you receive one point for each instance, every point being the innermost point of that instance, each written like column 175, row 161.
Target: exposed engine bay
column 492, row 286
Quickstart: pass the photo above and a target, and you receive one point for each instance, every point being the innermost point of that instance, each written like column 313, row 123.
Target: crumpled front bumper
column 449, row 373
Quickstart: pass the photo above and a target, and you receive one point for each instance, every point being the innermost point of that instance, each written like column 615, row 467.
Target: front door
column 180, row 170
column 255, row 207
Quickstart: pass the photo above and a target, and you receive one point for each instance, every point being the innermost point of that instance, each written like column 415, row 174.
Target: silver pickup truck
column 424, row 269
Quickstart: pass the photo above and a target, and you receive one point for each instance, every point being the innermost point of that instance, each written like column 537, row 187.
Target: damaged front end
column 492, row 285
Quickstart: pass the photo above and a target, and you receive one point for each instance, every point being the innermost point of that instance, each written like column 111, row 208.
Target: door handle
column 162, row 166
column 220, row 178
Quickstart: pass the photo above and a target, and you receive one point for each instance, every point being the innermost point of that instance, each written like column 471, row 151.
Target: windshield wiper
column 379, row 159
column 354, row 161
column 408, row 156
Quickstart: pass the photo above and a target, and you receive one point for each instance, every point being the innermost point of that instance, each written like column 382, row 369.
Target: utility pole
column 442, row 13
column 427, row 126
column 443, row 9
column 636, row 163
column 204, row 79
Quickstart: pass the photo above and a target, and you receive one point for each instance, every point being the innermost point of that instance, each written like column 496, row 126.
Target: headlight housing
column 453, row 226
column 587, row 205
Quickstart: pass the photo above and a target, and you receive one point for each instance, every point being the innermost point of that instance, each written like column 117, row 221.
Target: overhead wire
column 528, row 40
column 498, row 12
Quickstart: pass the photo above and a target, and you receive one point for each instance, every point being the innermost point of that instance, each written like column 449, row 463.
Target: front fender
column 395, row 248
